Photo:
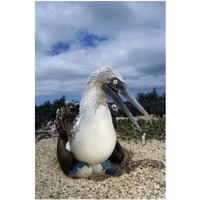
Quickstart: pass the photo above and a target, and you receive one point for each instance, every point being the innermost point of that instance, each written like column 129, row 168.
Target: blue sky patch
column 90, row 40
column 59, row 47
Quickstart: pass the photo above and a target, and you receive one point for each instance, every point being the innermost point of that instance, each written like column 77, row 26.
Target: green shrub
column 47, row 112
column 150, row 101
column 154, row 130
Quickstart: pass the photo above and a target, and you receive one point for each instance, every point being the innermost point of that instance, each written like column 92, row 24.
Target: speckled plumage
column 91, row 134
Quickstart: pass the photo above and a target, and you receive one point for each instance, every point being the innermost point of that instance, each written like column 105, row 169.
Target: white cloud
column 135, row 45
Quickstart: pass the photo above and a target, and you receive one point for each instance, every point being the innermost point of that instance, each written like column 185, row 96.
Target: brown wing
column 118, row 153
column 65, row 118
column 64, row 122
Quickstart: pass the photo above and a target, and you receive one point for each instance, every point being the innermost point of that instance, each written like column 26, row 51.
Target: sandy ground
column 140, row 176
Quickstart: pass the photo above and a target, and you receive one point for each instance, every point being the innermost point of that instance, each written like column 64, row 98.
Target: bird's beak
column 111, row 91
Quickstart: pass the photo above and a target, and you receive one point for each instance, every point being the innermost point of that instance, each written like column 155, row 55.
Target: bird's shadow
column 127, row 166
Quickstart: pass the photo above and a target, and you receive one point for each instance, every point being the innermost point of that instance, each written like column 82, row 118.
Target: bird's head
column 113, row 84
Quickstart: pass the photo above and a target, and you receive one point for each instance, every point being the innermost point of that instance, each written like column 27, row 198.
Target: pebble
column 140, row 176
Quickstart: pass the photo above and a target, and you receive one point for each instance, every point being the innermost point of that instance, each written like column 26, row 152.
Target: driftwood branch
column 40, row 134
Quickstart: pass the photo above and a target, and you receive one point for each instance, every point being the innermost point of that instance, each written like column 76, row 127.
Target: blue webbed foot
column 76, row 167
column 107, row 166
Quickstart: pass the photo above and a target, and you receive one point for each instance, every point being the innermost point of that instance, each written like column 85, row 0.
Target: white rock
column 143, row 139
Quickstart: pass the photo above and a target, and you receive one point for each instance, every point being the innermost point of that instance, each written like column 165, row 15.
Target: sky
column 73, row 39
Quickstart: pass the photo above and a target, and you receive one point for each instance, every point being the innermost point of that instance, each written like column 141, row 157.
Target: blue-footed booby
column 87, row 139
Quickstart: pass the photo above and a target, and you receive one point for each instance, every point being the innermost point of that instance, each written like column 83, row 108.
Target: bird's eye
column 115, row 81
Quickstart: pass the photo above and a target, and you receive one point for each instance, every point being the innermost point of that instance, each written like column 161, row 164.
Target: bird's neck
column 92, row 98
